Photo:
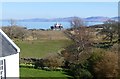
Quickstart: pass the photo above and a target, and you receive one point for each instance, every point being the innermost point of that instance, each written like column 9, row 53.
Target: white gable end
column 9, row 56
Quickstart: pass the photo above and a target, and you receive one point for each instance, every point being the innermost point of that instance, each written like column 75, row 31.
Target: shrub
column 84, row 74
column 107, row 66
column 15, row 32
column 115, row 48
column 39, row 63
column 53, row 61
column 80, row 72
column 103, row 65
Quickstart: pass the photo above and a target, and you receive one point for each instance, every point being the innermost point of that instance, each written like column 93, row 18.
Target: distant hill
column 98, row 19
column 67, row 19
column 49, row 20
column 115, row 18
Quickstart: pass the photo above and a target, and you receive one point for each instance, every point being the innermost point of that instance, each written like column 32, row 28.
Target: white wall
column 12, row 65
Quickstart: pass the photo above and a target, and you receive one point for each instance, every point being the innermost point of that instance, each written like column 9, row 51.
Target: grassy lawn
column 30, row 72
column 49, row 42
column 40, row 48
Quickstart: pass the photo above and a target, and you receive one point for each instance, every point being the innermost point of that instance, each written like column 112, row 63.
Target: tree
column 12, row 22
column 76, row 22
column 15, row 32
column 109, row 30
column 80, row 50
column 81, row 36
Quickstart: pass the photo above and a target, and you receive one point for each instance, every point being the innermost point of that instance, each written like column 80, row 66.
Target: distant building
column 9, row 57
column 57, row 27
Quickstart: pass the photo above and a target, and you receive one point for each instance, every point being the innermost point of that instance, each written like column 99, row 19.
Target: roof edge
column 14, row 45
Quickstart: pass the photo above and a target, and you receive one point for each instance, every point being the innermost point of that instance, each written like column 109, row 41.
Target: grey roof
column 6, row 48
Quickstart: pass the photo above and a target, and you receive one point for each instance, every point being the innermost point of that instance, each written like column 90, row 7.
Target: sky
column 26, row 10
column 59, row 0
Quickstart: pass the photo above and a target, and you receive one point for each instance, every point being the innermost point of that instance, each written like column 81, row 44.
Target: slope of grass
column 40, row 48
column 48, row 42
column 29, row 72
column 54, row 35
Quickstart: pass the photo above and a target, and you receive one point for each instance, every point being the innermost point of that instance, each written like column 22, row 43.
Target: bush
column 15, row 32
column 84, row 74
column 107, row 66
column 115, row 48
column 100, row 65
column 53, row 61
column 39, row 64
column 103, row 65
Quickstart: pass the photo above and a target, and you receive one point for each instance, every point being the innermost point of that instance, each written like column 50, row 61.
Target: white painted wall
column 12, row 61
column 12, row 65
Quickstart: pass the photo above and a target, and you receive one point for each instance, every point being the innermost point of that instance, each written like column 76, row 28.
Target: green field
column 40, row 48
column 48, row 42
column 30, row 72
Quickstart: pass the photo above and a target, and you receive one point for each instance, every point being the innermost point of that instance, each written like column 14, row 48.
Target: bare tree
column 12, row 22
column 80, row 50
column 109, row 30
column 15, row 32
column 82, row 38
column 76, row 22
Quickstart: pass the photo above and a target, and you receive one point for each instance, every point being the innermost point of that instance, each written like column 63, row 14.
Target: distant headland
column 67, row 19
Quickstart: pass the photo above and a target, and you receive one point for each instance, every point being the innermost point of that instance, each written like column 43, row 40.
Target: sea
column 43, row 25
